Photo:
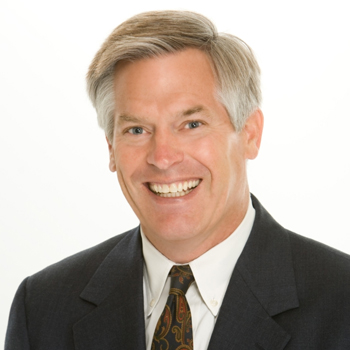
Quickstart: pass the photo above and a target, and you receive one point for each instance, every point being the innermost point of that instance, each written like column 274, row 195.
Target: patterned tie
column 174, row 327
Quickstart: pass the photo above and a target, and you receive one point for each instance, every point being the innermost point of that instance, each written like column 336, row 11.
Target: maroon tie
column 174, row 327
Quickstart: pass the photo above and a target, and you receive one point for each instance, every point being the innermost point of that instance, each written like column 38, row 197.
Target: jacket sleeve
column 17, row 335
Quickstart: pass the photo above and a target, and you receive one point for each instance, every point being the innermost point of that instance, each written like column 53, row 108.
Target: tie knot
column 181, row 279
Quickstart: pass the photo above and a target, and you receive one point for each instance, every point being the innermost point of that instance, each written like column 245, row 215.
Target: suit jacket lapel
column 116, row 289
column 262, row 285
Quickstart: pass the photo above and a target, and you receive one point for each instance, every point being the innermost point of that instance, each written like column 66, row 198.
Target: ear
column 112, row 165
column 253, row 132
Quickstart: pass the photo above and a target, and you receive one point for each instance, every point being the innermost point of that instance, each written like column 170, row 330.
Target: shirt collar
column 218, row 263
column 156, row 270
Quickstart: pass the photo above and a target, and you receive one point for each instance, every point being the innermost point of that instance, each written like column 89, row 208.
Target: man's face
column 179, row 161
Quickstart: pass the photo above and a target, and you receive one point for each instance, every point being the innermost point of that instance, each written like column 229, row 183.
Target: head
column 236, row 71
column 179, row 105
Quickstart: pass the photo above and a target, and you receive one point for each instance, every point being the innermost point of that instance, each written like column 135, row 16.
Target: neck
column 184, row 250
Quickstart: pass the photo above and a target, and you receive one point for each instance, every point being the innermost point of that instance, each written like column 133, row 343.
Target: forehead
column 188, row 55
column 184, row 75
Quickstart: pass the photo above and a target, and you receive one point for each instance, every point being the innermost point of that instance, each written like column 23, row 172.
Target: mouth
column 176, row 189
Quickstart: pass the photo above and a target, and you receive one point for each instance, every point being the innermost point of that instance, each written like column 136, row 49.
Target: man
column 179, row 104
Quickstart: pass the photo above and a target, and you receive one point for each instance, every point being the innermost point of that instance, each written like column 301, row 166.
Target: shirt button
column 213, row 302
column 152, row 302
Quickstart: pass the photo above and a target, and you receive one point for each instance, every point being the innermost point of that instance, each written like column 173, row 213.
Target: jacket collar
column 262, row 285
column 117, row 322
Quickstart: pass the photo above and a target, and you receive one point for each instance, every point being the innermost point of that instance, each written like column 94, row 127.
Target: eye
column 193, row 124
column 137, row 130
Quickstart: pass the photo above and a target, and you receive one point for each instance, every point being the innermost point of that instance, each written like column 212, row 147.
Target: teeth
column 174, row 190
column 177, row 194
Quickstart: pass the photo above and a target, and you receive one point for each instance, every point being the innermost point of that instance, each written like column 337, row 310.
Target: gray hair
column 157, row 33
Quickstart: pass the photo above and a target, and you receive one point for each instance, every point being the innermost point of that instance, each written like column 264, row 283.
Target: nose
column 165, row 151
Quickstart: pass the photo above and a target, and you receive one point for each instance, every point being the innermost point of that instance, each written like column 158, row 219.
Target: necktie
column 174, row 327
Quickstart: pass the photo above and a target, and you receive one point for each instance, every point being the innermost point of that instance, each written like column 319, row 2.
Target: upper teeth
column 174, row 187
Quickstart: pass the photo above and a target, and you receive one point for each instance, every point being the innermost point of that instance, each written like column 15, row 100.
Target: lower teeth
column 174, row 194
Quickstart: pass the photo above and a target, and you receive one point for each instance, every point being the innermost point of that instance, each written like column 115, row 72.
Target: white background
column 57, row 195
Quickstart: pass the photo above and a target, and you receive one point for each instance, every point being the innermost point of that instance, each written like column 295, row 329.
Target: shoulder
column 76, row 269
column 316, row 267
column 50, row 299
column 319, row 264
column 305, row 251
column 310, row 250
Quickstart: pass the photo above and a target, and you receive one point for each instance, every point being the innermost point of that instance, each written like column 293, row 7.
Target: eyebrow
column 124, row 118
column 190, row 111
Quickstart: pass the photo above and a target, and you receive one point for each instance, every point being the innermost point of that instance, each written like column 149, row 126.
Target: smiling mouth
column 176, row 189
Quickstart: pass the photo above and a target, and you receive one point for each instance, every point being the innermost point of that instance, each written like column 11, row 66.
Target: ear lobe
column 112, row 165
column 253, row 130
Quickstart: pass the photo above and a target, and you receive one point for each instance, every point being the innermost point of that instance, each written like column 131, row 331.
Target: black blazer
column 286, row 292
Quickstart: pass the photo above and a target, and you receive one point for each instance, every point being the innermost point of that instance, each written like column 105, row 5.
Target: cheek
column 227, row 164
column 124, row 167
column 206, row 148
column 125, row 156
column 131, row 167
column 217, row 154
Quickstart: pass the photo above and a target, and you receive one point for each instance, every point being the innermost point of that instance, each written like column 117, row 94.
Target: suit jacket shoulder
column 78, row 268
column 49, row 306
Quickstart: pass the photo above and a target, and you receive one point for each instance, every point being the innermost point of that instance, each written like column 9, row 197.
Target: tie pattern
column 174, row 327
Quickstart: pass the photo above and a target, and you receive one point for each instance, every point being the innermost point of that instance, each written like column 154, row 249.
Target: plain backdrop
column 57, row 195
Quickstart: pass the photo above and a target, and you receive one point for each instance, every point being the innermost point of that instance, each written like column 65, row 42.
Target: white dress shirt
column 212, row 272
